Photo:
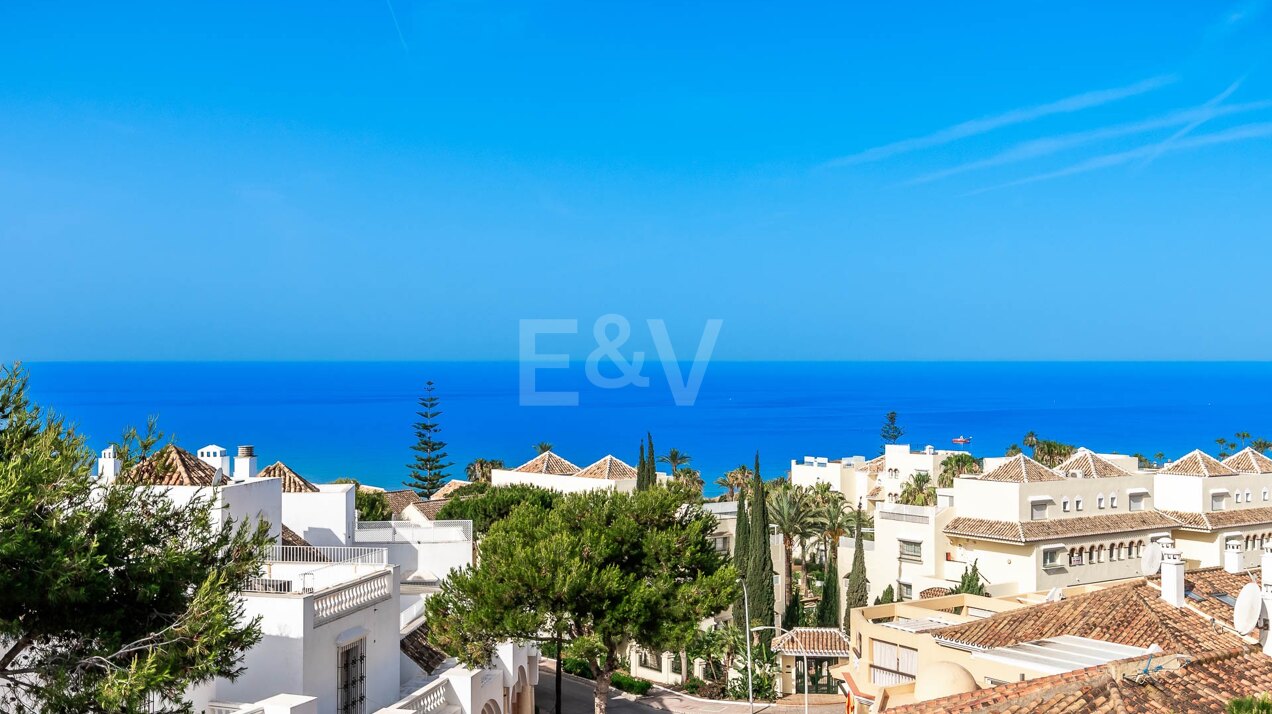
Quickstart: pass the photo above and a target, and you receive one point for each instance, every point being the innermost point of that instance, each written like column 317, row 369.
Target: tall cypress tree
column 759, row 572
column 640, row 469
column 428, row 471
column 652, row 460
column 741, row 546
column 858, row 592
column 828, row 608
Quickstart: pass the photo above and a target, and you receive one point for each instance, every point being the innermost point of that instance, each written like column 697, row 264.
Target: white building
column 873, row 481
column 1029, row 527
column 341, row 602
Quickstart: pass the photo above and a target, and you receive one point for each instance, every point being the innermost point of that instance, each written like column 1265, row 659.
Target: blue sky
column 408, row 180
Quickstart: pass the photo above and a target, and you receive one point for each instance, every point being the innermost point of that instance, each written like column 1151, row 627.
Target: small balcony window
column 905, row 591
column 1038, row 510
column 1218, row 501
column 1051, row 558
column 911, row 550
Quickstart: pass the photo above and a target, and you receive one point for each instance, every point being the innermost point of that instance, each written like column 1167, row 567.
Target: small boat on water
column 962, row 440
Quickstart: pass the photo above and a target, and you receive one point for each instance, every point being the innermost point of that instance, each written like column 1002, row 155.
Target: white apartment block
column 1029, row 527
column 341, row 601
column 870, row 481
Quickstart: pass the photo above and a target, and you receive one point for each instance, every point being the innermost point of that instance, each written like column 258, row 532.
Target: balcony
column 887, row 677
column 413, row 532
column 306, row 569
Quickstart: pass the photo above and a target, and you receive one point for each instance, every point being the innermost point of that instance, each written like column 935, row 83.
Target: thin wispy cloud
column 1039, row 148
column 1190, row 126
column 396, row 26
column 1245, row 132
column 976, row 127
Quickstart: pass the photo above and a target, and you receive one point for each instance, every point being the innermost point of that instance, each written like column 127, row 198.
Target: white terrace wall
column 239, row 501
column 323, row 518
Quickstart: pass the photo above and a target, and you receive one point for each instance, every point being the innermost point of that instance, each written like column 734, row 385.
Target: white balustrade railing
column 338, row 602
column 413, row 532
column 234, row 708
column 326, row 554
column 428, row 700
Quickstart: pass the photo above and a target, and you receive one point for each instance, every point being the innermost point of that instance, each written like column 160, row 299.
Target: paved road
column 576, row 698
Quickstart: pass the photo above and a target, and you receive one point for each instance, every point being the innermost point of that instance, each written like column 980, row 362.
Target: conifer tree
column 651, row 462
column 858, row 592
column 828, row 608
column 428, row 471
column 741, row 547
column 640, row 469
column 793, row 616
column 759, row 572
column 885, row 598
column 970, row 583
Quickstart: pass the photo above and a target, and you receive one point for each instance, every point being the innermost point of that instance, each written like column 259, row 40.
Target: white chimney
column 1232, row 555
column 1172, row 573
column 108, row 465
column 216, row 457
column 245, row 463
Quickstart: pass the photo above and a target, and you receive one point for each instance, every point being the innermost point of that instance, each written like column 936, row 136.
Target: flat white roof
column 1056, row 655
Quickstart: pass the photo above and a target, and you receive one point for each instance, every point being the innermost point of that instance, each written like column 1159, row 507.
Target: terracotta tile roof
column 430, row 508
column 1088, row 465
column 819, row 641
column 400, row 499
column 1021, row 469
column 608, row 468
column 1205, row 583
column 171, row 466
column 548, row 463
column 874, row 465
column 1198, row 463
column 291, row 537
column 1215, row 520
column 448, row 488
column 292, row 481
column 1028, row 531
column 875, row 493
column 1249, row 461
column 933, row 592
column 1132, row 614
column 416, row 647
column 1183, row 686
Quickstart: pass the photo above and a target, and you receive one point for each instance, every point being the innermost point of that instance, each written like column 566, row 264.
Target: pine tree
column 890, row 432
column 858, row 592
column 741, row 547
column 970, row 583
column 828, row 608
column 886, row 597
column 759, row 572
column 429, row 468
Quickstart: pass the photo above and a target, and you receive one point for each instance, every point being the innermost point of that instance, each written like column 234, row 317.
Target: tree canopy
column 370, row 505
column 601, row 568
column 112, row 594
column 494, row 503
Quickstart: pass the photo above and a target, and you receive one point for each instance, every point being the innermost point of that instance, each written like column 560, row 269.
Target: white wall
column 323, row 518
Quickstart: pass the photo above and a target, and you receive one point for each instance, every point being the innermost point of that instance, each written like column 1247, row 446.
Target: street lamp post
column 746, row 612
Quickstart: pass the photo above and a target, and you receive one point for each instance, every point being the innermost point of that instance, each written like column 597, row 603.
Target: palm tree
column 674, row 460
column 740, row 477
column 956, row 465
column 918, row 491
column 542, row 446
column 789, row 510
column 478, row 470
column 834, row 521
column 690, row 477
column 1030, row 440
column 1260, row 445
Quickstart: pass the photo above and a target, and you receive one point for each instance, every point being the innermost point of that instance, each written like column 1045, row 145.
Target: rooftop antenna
column 1151, row 561
column 1249, row 607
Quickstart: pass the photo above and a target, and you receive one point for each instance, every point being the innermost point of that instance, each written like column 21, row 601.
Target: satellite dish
column 1245, row 614
column 1152, row 559
column 1054, row 595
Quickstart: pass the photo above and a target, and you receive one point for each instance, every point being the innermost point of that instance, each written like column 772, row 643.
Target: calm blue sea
column 354, row 419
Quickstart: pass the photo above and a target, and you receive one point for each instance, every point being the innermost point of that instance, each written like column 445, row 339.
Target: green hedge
column 627, row 683
column 624, row 682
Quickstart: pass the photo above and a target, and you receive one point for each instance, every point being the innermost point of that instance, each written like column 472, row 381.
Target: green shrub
column 633, row 685
column 576, row 667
